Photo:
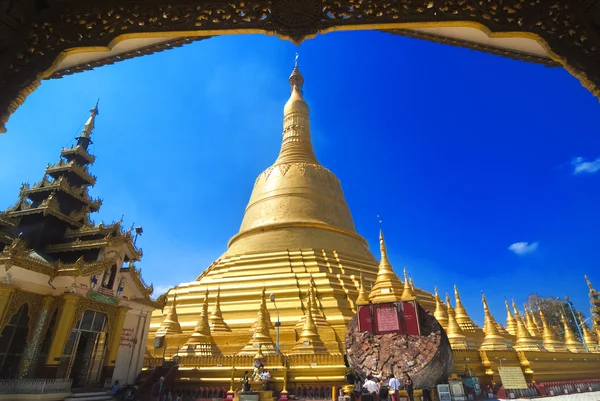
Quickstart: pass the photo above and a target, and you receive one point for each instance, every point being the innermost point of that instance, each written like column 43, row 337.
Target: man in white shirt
column 372, row 387
column 394, row 385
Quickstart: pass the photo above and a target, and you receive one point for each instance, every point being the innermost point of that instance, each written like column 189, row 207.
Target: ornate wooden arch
column 35, row 35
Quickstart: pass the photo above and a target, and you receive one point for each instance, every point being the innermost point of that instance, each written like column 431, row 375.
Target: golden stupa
column 290, row 280
column 297, row 232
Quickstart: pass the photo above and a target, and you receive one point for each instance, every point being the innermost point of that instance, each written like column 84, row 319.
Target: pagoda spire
column 85, row 139
column 261, row 336
column 363, row 298
column 511, row 322
column 409, row 291
column 588, row 336
column 493, row 339
column 309, row 341
column 456, row 336
column 462, row 317
column 387, row 285
column 550, row 341
column 571, row 341
column 215, row 320
column 171, row 323
column 441, row 314
column 201, row 342
column 296, row 145
column 595, row 302
column 530, row 323
column 311, row 301
column 263, row 307
column 524, row 340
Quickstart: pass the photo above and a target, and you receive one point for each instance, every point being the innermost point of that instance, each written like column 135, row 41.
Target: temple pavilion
column 73, row 306
column 291, row 278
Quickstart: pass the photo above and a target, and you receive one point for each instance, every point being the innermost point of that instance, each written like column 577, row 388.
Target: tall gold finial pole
column 296, row 60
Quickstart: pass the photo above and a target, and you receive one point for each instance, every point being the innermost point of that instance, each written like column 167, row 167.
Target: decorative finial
column 296, row 79
column 84, row 140
column 589, row 283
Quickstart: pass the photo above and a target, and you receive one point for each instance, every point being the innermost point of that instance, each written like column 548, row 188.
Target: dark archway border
column 36, row 35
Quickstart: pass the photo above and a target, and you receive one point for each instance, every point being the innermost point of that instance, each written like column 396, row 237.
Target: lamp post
column 568, row 302
column 277, row 324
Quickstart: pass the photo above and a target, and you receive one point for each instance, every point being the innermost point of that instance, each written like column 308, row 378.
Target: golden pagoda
column 291, row 279
column 550, row 341
column 363, row 297
column 387, row 287
column 309, row 341
column 511, row 322
column 441, row 312
column 462, row 317
column 524, row 342
column 493, row 340
column 589, row 338
column 297, row 235
column 458, row 339
column 571, row 341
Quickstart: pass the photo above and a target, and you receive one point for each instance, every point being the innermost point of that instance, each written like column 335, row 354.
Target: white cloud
column 580, row 166
column 161, row 289
column 523, row 248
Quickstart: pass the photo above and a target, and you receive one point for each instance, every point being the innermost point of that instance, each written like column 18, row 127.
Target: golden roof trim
column 72, row 166
column 17, row 254
column 136, row 275
column 78, row 244
column 156, row 304
column 95, row 229
column 168, row 45
column 294, row 224
column 79, row 151
column 49, row 207
column 79, row 193
column 474, row 46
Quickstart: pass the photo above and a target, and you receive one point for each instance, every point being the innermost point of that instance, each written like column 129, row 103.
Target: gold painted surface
column 297, row 237
column 550, row 340
column 315, row 265
column 64, row 325
column 492, row 340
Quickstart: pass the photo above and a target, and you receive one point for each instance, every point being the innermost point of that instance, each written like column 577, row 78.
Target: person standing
column 394, row 388
column 408, row 386
column 371, row 387
column 384, row 391
column 158, row 390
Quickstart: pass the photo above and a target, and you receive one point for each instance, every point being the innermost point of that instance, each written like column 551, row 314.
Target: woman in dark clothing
column 408, row 386
column 246, row 382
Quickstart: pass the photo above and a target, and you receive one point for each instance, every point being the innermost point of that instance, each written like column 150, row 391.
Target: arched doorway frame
column 34, row 303
column 568, row 30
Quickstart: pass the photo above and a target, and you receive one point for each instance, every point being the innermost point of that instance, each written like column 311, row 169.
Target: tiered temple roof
column 49, row 229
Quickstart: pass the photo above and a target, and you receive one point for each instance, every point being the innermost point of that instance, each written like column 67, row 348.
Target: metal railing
column 35, row 386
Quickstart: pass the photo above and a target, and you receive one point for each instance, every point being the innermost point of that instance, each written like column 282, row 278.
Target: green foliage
column 552, row 308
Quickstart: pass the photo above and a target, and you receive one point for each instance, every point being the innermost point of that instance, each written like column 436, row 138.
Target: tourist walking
column 394, row 388
column 158, row 390
column 408, row 386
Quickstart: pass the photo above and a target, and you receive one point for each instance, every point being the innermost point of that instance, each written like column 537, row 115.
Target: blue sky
column 462, row 153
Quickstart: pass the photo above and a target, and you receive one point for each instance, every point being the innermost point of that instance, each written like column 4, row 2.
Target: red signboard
column 365, row 322
column 392, row 317
column 411, row 318
column 386, row 319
